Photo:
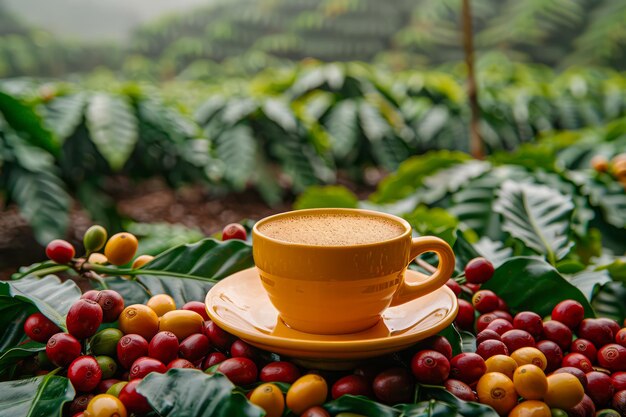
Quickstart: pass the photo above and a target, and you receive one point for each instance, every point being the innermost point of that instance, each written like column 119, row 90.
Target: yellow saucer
column 240, row 305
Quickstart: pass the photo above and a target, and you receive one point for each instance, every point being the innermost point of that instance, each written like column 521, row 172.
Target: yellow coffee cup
column 334, row 271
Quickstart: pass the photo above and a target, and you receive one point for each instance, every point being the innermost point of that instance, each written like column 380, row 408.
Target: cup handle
column 410, row 291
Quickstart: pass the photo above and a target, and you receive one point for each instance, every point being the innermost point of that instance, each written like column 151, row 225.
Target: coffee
column 332, row 229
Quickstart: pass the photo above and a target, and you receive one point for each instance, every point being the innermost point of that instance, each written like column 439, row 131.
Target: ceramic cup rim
column 348, row 211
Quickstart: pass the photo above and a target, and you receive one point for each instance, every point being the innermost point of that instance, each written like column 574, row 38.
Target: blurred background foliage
column 239, row 37
column 274, row 97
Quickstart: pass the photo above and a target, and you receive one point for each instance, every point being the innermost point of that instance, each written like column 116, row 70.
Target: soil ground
column 148, row 202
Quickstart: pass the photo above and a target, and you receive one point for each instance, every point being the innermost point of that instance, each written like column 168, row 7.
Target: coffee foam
column 332, row 229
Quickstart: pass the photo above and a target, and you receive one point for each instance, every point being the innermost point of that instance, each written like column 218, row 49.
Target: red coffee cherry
column 79, row 404
column 484, row 320
column 234, row 231
column 612, row 357
column 351, row 385
column 163, row 347
column 194, row 347
column 485, row 301
column 620, row 337
column 500, row 326
column 530, row 322
column 240, row 349
column 280, row 372
column 558, row 333
column 516, row 339
column 394, row 386
column 91, row 295
column 60, row 251
column 577, row 360
column 40, row 328
column 583, row 409
column 218, row 337
column 105, row 384
column 84, row 318
column 618, row 379
column 132, row 400
column 467, row 367
column 430, row 367
column 597, row 331
column 130, row 348
column 112, row 305
column 569, row 312
column 619, row 402
column 599, row 388
column 459, row 389
column 465, row 317
column 503, row 314
column 437, row 343
column 615, row 328
column 487, row 334
column 478, row 271
column 180, row 363
column 584, row 347
column 213, row 359
column 553, row 354
column 240, row 371
column 62, row 349
column 144, row 365
column 84, row 373
column 197, row 307
column 490, row 348
column 454, row 286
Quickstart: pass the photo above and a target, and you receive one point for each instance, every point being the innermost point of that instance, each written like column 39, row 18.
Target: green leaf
column 236, row 148
column 411, row 173
column 538, row 216
column 64, row 114
column 587, row 281
column 343, row 128
column 27, row 124
column 192, row 393
column 360, row 405
column 52, row 297
column 188, row 271
column 451, row 180
column 456, row 406
column 280, row 113
column 317, row 196
column 35, row 397
column 113, row 128
column 528, row 283
column 131, row 291
column 10, row 357
column 435, row 221
column 460, row 340
column 155, row 238
column 610, row 301
column 494, row 251
column 13, row 314
column 42, row 200
column 606, row 194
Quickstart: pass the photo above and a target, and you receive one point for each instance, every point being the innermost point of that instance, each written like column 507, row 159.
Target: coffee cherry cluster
column 524, row 362
column 616, row 166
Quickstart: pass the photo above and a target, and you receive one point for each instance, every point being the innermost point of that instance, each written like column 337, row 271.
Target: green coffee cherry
column 116, row 388
column 607, row 412
column 105, row 342
column 557, row 412
column 95, row 237
column 108, row 366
